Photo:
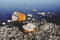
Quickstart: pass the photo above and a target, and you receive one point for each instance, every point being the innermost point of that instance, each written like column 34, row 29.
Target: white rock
column 30, row 15
column 42, row 13
column 9, row 20
column 29, row 26
column 28, row 18
column 4, row 23
column 34, row 10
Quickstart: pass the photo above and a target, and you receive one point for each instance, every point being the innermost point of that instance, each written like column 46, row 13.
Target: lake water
column 7, row 7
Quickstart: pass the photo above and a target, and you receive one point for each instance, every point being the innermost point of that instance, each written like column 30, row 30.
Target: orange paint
column 27, row 31
column 21, row 17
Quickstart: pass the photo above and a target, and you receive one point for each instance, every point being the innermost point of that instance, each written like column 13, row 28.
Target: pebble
column 14, row 33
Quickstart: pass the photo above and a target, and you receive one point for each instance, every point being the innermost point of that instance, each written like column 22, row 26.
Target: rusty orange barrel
column 18, row 16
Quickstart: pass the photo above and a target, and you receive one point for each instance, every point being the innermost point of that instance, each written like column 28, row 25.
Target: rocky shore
column 46, row 31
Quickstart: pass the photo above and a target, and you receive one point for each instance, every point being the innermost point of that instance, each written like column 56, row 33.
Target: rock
column 46, row 31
